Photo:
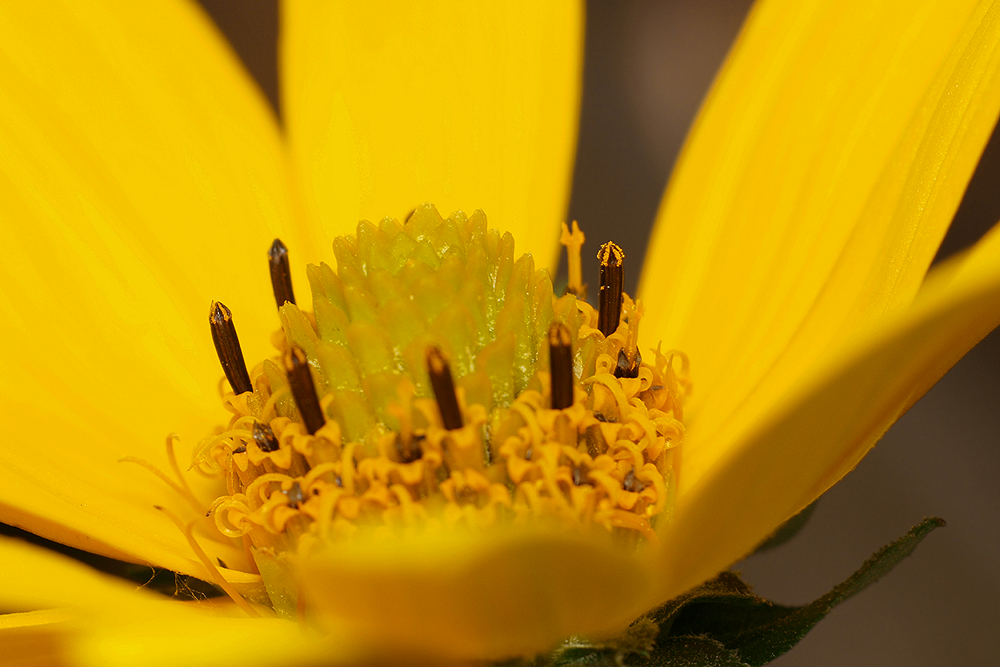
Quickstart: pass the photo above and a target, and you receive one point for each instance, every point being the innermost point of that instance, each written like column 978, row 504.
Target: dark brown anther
column 626, row 368
column 612, row 279
column 444, row 389
column 595, row 441
column 294, row 495
column 281, row 275
column 561, row 365
column 630, row 483
column 227, row 346
column 409, row 451
column 264, row 437
column 303, row 390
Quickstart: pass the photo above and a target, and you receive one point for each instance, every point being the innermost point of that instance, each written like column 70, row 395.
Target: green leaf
column 670, row 652
column 722, row 623
column 787, row 530
column 577, row 652
column 726, row 611
column 693, row 652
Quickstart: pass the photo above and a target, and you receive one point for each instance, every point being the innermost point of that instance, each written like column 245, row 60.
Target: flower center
column 438, row 383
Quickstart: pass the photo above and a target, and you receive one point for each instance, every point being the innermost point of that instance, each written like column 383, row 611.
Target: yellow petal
column 815, row 189
column 782, row 460
column 464, row 105
column 35, row 578
column 141, row 176
column 489, row 596
column 103, row 621
column 32, row 639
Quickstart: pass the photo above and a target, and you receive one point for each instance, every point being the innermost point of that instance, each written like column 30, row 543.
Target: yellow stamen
column 213, row 571
column 172, row 457
column 574, row 243
column 181, row 487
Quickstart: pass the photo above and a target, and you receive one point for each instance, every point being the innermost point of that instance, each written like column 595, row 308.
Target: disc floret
column 450, row 388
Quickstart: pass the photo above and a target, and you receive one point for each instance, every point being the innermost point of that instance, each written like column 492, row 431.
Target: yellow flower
column 141, row 176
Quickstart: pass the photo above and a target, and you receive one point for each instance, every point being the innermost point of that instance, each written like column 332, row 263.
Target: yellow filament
column 573, row 242
column 269, row 405
column 347, row 469
column 622, row 519
column 213, row 571
column 223, row 517
column 613, row 385
column 528, row 415
column 635, row 316
column 656, row 480
column 647, row 426
column 265, row 513
column 172, row 457
column 311, row 476
column 255, row 486
column 327, row 504
column 184, row 493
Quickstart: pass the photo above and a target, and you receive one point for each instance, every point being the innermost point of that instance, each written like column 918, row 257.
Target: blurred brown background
column 648, row 65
